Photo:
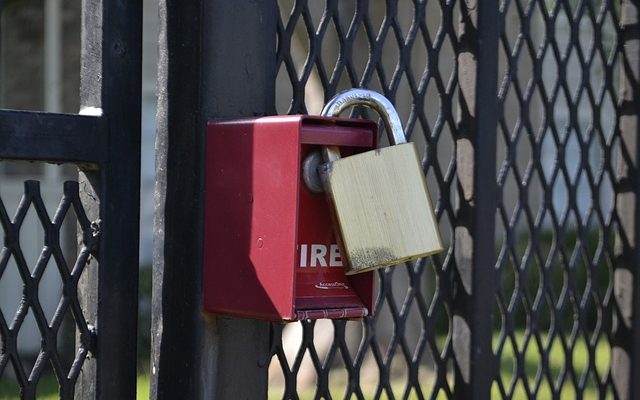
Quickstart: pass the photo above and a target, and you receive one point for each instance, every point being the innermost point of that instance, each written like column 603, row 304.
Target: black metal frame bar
column 111, row 81
column 626, row 328
column 477, row 189
column 120, row 200
column 26, row 135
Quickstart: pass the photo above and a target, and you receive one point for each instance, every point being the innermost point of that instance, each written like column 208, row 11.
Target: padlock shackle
column 374, row 100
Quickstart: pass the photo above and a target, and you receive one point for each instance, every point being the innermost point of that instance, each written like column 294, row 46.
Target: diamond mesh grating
column 558, row 150
column 51, row 326
column 556, row 211
column 404, row 50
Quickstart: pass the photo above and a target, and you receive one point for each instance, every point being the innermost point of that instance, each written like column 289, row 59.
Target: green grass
column 558, row 361
column 48, row 388
column 143, row 387
column 559, row 364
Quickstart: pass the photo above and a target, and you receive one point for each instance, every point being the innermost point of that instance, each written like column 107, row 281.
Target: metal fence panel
column 407, row 51
column 556, row 214
column 527, row 311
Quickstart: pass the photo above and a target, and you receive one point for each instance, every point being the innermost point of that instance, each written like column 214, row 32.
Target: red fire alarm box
column 270, row 251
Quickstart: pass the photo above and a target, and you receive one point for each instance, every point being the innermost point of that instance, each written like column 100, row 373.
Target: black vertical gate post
column 217, row 59
column 110, row 91
column 474, row 294
column 626, row 328
column 120, row 205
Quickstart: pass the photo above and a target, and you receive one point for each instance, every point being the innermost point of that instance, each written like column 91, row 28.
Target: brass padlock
column 379, row 198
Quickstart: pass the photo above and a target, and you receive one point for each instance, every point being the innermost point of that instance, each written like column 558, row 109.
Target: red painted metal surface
column 270, row 250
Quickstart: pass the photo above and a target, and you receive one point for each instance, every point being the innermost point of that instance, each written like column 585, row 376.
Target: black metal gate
column 104, row 144
column 526, row 113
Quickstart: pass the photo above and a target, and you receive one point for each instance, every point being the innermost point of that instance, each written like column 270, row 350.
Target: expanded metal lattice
column 405, row 50
column 556, row 217
column 52, row 356
column 558, row 150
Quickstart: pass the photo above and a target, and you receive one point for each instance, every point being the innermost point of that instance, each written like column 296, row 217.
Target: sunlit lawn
column 578, row 359
column 532, row 360
column 48, row 388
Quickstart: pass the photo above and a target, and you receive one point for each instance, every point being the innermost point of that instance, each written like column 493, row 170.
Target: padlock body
column 382, row 207
column 270, row 251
